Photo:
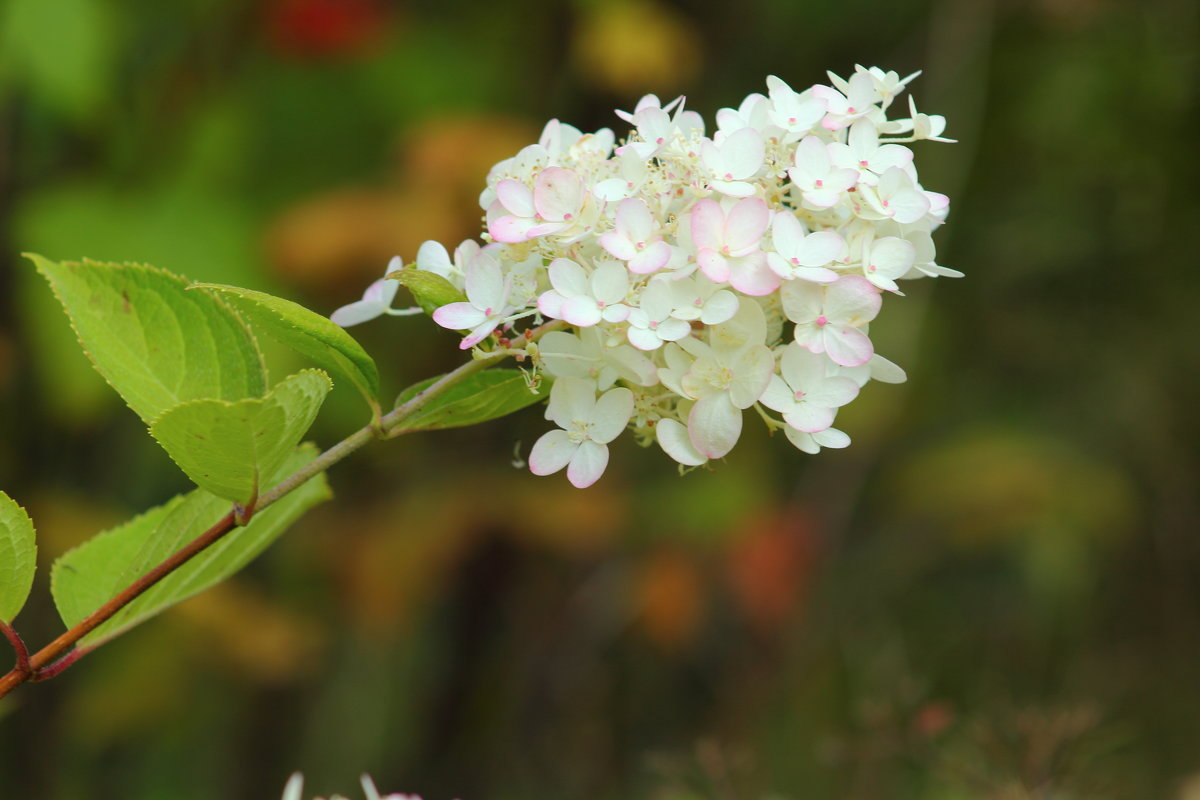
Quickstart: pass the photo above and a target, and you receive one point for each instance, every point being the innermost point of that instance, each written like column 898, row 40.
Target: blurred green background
column 994, row 593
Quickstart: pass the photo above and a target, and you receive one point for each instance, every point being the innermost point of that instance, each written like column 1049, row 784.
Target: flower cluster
column 696, row 276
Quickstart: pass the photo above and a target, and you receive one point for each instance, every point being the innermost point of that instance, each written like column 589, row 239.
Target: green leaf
column 481, row 397
column 18, row 557
column 309, row 334
column 156, row 343
column 430, row 290
column 231, row 448
column 93, row 573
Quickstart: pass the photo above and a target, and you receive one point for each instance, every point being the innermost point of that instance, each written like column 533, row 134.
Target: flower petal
column 613, row 410
column 673, row 438
column 714, row 425
column 551, row 452
column 587, row 464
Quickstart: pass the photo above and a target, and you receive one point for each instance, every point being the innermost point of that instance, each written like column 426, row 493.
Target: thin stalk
column 45, row 663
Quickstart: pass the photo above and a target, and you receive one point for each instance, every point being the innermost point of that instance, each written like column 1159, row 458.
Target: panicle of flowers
column 699, row 276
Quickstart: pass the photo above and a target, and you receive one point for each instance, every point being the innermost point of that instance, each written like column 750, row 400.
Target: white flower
column 802, row 255
column 828, row 317
column 814, row 174
column 795, row 112
column 486, row 305
column 588, row 425
column 589, row 354
column 376, row 300
column 728, row 244
column 653, row 322
column 806, row 394
column 733, row 159
column 583, row 300
column 635, row 240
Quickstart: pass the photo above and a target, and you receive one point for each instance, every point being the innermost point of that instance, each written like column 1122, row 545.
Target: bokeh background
column 994, row 593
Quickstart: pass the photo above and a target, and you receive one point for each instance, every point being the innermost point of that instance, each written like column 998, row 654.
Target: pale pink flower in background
column 897, row 197
column 585, row 300
column 828, row 318
column 732, row 159
column 728, row 244
column 376, row 300
column 863, row 152
column 805, row 392
column 554, row 204
column 886, row 259
column 486, row 305
column 802, row 255
column 587, row 426
column 795, row 112
column 849, row 101
column 821, row 184
column 652, row 322
column 635, row 240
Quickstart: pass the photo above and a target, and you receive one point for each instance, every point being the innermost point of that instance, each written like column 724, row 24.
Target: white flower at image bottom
column 588, row 425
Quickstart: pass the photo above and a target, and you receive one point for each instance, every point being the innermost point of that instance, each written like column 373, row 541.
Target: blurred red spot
column 323, row 28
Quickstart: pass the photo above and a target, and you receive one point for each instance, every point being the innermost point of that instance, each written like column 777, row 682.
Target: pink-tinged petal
column 713, row 265
column 708, row 225
column 571, row 400
column 644, row 339
column 484, row 284
column 458, row 316
column 511, row 230
column 550, row 304
column 802, row 301
column 515, row 197
column 610, row 282
column 545, row 229
column 851, row 300
column 613, row 410
column 587, row 464
column 581, row 311
column 811, row 338
column 357, row 312
column 745, row 225
column 719, row 308
column 652, row 259
column 809, row 417
column 847, row 346
column 818, row 249
column 479, row 333
column 558, row 194
column 618, row 246
column 714, row 425
column 751, row 275
column 754, row 372
column 634, row 220
column 551, row 452
column 568, row 278
column 673, row 438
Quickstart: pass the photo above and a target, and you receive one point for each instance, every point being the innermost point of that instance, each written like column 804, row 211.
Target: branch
column 42, row 664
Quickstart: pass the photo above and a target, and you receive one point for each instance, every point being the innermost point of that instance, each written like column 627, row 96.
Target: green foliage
column 91, row 574
column 430, row 290
column 481, row 397
column 18, row 557
column 308, row 333
column 231, row 448
column 156, row 343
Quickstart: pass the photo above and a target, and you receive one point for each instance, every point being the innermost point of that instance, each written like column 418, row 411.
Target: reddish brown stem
column 43, row 658
column 18, row 646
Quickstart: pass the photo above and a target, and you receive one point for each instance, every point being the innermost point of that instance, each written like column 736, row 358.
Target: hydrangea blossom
column 696, row 277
